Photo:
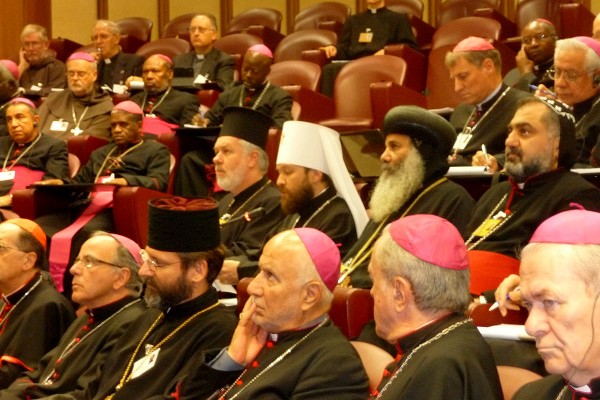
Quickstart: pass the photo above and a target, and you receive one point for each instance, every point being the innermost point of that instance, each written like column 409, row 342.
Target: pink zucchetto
column 11, row 67
column 23, row 100
column 589, row 42
column 132, row 247
column 569, row 227
column 262, row 49
column 165, row 58
column 81, row 55
column 128, row 106
column 473, row 43
column 431, row 239
column 324, row 253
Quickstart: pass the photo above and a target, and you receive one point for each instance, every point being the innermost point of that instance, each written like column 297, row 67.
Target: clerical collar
column 200, row 56
column 486, row 103
column 105, row 311
column 375, row 10
column 15, row 296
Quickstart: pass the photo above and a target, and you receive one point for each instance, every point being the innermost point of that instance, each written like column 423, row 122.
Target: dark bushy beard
column 297, row 199
column 162, row 297
column 396, row 185
column 520, row 171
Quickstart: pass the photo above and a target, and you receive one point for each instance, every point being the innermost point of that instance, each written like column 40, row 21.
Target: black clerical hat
column 248, row 124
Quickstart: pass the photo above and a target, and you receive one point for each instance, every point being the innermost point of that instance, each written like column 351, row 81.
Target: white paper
column 467, row 171
column 505, row 331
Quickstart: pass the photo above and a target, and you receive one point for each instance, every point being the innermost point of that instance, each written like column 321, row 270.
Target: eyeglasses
column 571, row 76
column 200, row 29
column 152, row 263
column 4, row 248
column 538, row 38
column 89, row 262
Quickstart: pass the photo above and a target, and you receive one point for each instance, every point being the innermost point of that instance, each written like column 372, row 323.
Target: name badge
column 7, row 175
column 119, row 89
column 59, row 126
column 144, row 364
column 462, row 140
column 365, row 37
column 488, row 226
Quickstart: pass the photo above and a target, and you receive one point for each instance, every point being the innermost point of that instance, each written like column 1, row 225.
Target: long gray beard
column 396, row 185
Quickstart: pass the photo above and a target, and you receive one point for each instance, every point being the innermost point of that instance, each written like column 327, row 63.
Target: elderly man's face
column 473, row 84
column 93, row 286
column 156, row 74
column 278, row 289
column 573, row 83
column 202, row 33
column 21, row 123
column 106, row 41
column 382, row 291
column 397, row 147
column 124, row 128
column 538, row 42
column 563, row 313
column 166, row 283
column 12, row 259
column 231, row 163
column 294, row 186
column 34, row 47
column 81, row 76
column 529, row 148
column 255, row 69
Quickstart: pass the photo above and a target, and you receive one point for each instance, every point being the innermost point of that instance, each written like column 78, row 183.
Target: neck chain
column 419, row 347
column 315, row 213
column 20, row 155
column 273, row 363
column 77, row 341
column 227, row 216
column 490, row 231
column 468, row 129
column 155, row 106
column 31, row 289
column 258, row 100
column 365, row 252
column 115, row 160
column 149, row 349
column 562, row 392
column 77, row 130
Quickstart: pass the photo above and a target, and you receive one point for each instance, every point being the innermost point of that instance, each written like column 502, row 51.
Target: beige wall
column 73, row 19
column 118, row 9
column 180, row 7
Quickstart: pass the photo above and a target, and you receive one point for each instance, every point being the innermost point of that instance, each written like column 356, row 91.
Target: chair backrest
column 439, row 86
column 63, row 47
column 488, row 269
column 374, row 360
column 528, row 10
column 456, row 30
column 138, row 27
column 412, row 7
column 351, row 308
column 74, row 165
column 453, row 9
column 351, row 91
column 236, row 45
column 292, row 46
column 83, row 145
column 513, row 378
column 575, row 20
column 267, row 17
column 168, row 46
column 319, row 15
column 297, row 72
column 179, row 27
column 482, row 316
column 271, row 148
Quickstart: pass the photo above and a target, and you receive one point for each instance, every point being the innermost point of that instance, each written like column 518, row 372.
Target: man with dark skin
column 536, row 55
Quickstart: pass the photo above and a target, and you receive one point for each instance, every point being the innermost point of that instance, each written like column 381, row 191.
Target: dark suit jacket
column 123, row 66
column 177, row 108
column 218, row 66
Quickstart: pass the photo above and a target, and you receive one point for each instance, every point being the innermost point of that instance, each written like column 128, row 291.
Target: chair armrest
column 315, row 56
column 385, row 95
column 416, row 65
column 334, row 26
column 315, row 106
column 507, row 27
column 32, row 203
column 130, row 211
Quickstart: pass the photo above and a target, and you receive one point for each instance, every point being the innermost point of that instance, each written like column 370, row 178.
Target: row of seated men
column 179, row 342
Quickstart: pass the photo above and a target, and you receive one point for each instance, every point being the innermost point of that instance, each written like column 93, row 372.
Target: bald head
column 8, row 84
column 255, row 68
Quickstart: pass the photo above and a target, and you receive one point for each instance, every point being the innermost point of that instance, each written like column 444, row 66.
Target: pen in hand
column 497, row 303
column 548, row 92
column 487, row 158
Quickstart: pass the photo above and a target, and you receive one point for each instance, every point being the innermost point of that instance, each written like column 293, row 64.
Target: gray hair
column 263, row 158
column 474, row 57
column 434, row 288
column 112, row 26
column 34, row 28
column 211, row 18
column 592, row 60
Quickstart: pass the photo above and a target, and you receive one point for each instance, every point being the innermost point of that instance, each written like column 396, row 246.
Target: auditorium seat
column 135, row 32
column 374, row 360
column 454, row 9
column 292, row 46
column 170, row 47
column 356, row 107
column 296, row 72
column 482, row 316
column 575, row 20
column 63, row 48
column 262, row 22
column 513, row 378
column 488, row 270
column 329, row 15
column 179, row 27
column 83, row 145
column 235, row 45
column 412, row 7
column 74, row 164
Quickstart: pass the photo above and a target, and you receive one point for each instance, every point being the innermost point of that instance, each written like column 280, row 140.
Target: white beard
column 396, row 185
column 233, row 179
